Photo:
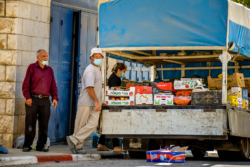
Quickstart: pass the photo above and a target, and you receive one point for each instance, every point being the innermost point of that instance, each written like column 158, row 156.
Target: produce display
column 183, row 91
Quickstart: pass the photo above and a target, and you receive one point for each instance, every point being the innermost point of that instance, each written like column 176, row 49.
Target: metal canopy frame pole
column 104, row 76
column 224, row 77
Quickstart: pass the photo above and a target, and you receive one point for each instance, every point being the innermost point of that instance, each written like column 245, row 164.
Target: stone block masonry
column 24, row 28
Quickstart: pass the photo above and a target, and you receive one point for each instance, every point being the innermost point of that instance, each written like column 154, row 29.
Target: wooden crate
column 207, row 98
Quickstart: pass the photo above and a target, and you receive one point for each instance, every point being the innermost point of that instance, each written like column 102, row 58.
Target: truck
column 178, row 38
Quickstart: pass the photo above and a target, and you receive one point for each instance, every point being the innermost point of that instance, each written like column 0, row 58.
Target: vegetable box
column 143, row 95
column 180, row 85
column 162, row 87
column 163, row 99
column 117, row 98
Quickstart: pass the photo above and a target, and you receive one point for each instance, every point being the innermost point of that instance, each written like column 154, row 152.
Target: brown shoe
column 102, row 148
column 120, row 151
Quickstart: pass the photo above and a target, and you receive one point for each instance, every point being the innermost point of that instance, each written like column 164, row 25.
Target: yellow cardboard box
column 240, row 102
column 243, row 103
column 247, row 104
column 232, row 100
column 237, row 80
column 237, row 91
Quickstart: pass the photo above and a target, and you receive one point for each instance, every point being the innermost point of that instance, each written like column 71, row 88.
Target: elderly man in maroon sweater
column 39, row 84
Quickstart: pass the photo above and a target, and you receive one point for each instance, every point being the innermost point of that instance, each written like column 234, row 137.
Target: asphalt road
column 190, row 162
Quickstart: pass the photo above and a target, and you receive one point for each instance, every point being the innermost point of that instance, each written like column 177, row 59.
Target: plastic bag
column 182, row 100
column 46, row 146
column 183, row 93
column 19, row 142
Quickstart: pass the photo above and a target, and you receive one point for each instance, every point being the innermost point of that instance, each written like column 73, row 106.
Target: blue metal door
column 60, row 60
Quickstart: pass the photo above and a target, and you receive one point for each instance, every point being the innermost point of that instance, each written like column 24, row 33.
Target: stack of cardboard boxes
column 163, row 93
column 238, row 97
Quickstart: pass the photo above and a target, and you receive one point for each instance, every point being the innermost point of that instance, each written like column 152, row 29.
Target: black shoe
column 27, row 149
column 42, row 149
column 71, row 145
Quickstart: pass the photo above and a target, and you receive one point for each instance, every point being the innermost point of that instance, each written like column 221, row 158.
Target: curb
column 23, row 160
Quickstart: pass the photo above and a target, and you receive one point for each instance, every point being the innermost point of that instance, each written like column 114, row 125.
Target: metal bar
column 172, row 61
column 142, row 53
column 167, row 48
column 134, row 57
column 183, row 71
column 200, row 68
column 162, row 76
column 148, row 107
column 224, row 77
column 104, row 77
column 154, row 136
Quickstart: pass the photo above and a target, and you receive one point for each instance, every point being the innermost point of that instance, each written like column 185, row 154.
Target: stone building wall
column 24, row 28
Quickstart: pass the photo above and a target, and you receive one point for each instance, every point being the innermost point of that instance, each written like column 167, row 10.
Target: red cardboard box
column 143, row 90
column 162, row 87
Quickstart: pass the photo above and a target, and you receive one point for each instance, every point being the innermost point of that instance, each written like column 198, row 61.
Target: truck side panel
column 170, row 122
column 239, row 123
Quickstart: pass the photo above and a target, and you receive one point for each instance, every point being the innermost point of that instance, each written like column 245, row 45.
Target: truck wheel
column 243, row 154
column 137, row 154
column 198, row 153
column 245, row 148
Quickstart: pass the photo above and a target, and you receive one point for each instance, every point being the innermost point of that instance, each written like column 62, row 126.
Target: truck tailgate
column 165, row 122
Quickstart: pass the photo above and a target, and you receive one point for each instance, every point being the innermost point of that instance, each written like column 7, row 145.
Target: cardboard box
column 237, row 80
column 245, row 94
column 143, row 95
column 189, row 79
column 165, row 155
column 163, row 99
column 113, row 95
column 129, row 101
column 244, row 103
column 181, row 85
column 232, row 100
column 131, row 92
column 237, row 91
column 240, row 102
column 162, row 87
column 247, row 104
column 144, row 99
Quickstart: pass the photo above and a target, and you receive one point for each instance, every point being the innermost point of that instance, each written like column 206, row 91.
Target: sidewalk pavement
column 56, row 153
column 61, row 152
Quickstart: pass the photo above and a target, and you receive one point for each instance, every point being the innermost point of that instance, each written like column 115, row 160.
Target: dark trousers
column 115, row 141
column 40, row 109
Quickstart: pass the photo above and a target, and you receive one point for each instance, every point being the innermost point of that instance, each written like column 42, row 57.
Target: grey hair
column 39, row 51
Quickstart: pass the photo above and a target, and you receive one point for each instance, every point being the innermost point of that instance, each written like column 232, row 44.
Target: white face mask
column 45, row 62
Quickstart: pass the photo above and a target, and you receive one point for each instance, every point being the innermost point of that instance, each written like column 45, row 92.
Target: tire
column 198, row 153
column 137, row 154
column 243, row 154
column 245, row 148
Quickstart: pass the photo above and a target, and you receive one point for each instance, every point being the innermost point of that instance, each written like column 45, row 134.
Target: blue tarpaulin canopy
column 174, row 25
